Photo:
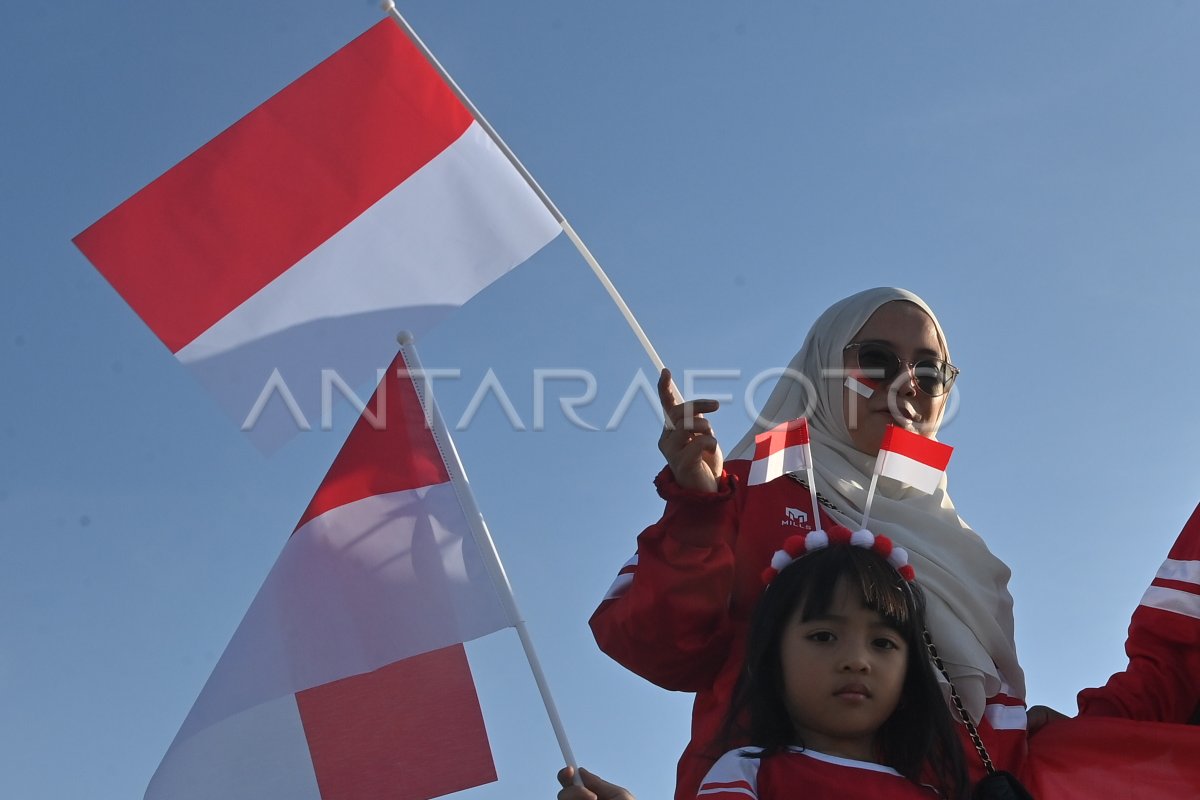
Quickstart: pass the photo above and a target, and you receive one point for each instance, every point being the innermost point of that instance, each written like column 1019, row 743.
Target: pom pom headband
column 804, row 543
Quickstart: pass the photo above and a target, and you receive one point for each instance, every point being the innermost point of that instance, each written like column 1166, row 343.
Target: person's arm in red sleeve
column 1162, row 681
column 666, row 617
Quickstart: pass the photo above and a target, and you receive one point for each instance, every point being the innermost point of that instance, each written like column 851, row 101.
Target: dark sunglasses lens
column 933, row 377
column 878, row 362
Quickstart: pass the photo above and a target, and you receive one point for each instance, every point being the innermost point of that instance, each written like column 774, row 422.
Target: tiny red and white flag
column 360, row 200
column 782, row 449
column 913, row 459
column 347, row 677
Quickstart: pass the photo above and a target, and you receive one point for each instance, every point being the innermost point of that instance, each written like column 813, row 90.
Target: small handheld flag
column 909, row 458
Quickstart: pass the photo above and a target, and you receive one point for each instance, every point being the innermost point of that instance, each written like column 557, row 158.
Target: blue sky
column 1029, row 168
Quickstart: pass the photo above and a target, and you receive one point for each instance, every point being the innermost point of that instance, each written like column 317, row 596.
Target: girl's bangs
column 881, row 588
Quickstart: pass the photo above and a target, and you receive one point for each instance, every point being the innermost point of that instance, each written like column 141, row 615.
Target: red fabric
column 682, row 621
column 1162, row 681
column 1098, row 758
column 412, row 730
column 390, row 449
column 227, row 220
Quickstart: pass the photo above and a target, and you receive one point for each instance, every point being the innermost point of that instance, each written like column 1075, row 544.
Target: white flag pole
column 871, row 491
column 812, row 492
column 389, row 7
column 483, row 538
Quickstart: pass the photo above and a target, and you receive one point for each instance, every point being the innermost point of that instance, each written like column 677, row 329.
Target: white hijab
column 970, row 611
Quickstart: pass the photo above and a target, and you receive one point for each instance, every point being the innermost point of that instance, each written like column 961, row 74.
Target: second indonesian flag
column 782, row 449
column 913, row 459
column 347, row 678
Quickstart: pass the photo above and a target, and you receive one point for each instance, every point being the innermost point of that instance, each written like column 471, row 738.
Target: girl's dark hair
column 919, row 739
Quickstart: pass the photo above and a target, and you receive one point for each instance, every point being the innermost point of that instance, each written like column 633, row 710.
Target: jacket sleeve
column 666, row 616
column 1162, row 681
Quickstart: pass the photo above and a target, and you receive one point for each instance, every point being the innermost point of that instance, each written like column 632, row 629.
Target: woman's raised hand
column 687, row 440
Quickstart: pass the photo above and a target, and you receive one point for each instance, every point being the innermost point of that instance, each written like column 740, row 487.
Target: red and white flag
column 780, row 450
column 913, row 459
column 347, row 677
column 360, row 200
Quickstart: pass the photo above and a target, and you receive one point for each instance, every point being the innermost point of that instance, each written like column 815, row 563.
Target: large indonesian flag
column 347, row 678
column 913, row 459
column 780, row 450
column 360, row 200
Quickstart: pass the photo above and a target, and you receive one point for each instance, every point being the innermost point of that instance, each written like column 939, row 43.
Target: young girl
column 838, row 695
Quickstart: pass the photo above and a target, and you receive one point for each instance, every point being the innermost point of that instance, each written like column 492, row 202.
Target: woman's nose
column 906, row 379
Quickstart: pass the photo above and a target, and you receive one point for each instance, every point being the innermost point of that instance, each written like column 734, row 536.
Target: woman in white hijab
column 676, row 613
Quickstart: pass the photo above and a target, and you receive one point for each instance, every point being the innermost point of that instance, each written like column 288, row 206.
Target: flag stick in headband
column 782, row 450
column 871, row 495
column 812, row 487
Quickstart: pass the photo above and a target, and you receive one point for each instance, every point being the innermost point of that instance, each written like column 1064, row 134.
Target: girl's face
column 909, row 333
column 843, row 674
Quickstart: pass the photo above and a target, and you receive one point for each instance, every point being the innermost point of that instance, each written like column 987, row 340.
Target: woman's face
column 907, row 331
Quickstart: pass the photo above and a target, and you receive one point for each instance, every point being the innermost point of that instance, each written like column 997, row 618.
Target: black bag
column 1000, row 786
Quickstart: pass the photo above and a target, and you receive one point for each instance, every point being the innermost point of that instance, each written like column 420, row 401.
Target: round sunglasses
column 933, row 376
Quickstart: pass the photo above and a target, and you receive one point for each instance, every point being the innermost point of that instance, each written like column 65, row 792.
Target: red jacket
column 679, row 610
column 1162, row 681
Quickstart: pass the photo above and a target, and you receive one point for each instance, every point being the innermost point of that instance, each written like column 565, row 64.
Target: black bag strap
column 997, row 785
column 958, row 705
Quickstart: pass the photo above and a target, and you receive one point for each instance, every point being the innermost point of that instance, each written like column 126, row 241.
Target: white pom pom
column 898, row 558
column 780, row 560
column 862, row 538
column 815, row 541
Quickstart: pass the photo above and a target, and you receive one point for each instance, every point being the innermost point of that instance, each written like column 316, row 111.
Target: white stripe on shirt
column 1173, row 600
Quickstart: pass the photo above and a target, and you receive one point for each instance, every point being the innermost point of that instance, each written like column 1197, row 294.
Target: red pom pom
column 794, row 545
column 907, row 572
column 839, row 535
column 883, row 546
column 769, row 575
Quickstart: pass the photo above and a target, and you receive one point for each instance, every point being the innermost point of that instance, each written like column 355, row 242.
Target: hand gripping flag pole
column 389, row 7
column 483, row 539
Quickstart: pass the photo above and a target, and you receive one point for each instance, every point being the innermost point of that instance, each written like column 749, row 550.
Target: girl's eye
column 886, row 644
column 820, row 636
